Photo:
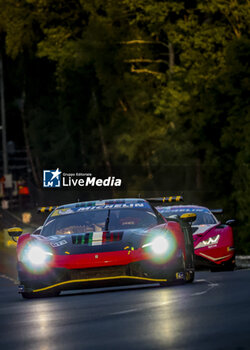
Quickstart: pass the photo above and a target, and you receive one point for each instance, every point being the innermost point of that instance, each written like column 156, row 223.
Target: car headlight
column 158, row 245
column 209, row 241
column 38, row 256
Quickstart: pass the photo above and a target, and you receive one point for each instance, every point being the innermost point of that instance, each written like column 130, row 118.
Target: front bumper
column 61, row 278
column 202, row 262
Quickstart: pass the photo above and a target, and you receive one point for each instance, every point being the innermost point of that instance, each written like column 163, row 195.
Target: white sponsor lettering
column 112, row 206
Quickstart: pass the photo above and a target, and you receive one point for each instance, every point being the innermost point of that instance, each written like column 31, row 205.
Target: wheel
column 190, row 278
column 229, row 267
column 180, row 268
column 47, row 294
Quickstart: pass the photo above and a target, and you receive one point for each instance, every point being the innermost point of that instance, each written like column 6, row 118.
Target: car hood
column 201, row 232
column 201, row 229
column 93, row 242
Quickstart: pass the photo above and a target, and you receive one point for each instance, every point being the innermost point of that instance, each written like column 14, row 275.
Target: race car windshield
column 93, row 221
column 202, row 218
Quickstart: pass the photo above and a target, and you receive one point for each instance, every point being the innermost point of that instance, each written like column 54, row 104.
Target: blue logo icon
column 52, row 178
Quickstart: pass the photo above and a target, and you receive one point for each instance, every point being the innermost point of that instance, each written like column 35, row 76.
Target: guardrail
column 242, row 261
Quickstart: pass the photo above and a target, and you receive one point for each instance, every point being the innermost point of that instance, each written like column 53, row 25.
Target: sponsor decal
column 66, row 211
column 179, row 275
column 55, row 238
column 21, row 288
column 182, row 210
column 58, row 244
column 57, row 178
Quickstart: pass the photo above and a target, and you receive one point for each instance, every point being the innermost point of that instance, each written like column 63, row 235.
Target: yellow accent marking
column 188, row 215
column 127, row 247
column 100, row 279
column 129, row 252
column 15, row 229
column 67, row 252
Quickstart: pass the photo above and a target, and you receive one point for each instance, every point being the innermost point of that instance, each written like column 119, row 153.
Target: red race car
column 110, row 242
column 213, row 241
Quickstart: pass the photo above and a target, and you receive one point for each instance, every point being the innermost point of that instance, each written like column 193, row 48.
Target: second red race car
column 213, row 241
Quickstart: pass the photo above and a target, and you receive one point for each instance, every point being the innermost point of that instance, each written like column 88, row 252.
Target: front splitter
column 103, row 281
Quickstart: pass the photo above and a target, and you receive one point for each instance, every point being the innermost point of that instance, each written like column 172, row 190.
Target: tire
column 229, row 267
column 191, row 277
column 47, row 294
column 172, row 280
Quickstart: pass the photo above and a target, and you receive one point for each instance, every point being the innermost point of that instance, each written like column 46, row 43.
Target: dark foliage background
column 154, row 91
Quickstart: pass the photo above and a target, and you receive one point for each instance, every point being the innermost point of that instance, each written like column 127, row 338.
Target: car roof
column 103, row 202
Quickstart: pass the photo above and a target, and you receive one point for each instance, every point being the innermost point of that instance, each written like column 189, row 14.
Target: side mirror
column 15, row 232
column 188, row 217
column 231, row 222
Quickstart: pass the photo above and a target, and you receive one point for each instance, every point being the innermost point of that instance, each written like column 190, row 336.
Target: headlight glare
column 38, row 256
column 159, row 245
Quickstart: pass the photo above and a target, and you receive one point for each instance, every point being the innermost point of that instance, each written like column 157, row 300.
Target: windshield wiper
column 107, row 221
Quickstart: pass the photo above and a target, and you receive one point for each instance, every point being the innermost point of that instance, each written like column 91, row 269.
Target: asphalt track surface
column 212, row 313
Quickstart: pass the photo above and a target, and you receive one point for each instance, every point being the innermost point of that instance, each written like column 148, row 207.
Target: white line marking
column 201, row 280
column 124, row 312
column 211, row 285
column 9, row 278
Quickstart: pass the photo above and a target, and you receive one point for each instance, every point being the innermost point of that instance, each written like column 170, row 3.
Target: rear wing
column 159, row 200
column 216, row 211
column 165, row 200
column 46, row 209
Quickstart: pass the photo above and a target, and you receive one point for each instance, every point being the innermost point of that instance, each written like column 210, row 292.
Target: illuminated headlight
column 38, row 256
column 209, row 241
column 159, row 245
